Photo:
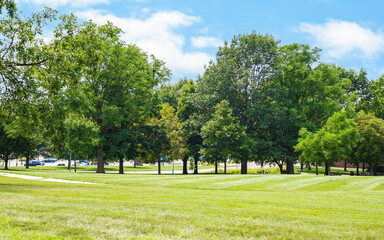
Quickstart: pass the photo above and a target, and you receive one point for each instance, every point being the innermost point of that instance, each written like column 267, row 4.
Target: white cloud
column 156, row 35
column 203, row 42
column 340, row 38
column 73, row 3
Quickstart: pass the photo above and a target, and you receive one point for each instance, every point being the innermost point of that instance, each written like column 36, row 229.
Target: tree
column 370, row 146
column 113, row 82
column 153, row 142
column 81, row 135
column 172, row 126
column 242, row 68
column 223, row 135
column 9, row 5
column 374, row 101
column 331, row 143
column 191, row 124
column 306, row 94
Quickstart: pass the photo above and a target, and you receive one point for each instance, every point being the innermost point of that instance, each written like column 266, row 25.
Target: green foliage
column 170, row 122
column 333, row 142
column 223, row 135
column 370, row 147
column 81, row 134
column 374, row 101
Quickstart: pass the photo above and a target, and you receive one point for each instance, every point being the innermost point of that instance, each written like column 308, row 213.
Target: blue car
column 34, row 163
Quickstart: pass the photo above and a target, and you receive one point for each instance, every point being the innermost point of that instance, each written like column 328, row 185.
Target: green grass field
column 191, row 207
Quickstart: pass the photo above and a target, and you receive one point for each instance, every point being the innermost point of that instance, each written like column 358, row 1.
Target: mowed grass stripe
column 134, row 207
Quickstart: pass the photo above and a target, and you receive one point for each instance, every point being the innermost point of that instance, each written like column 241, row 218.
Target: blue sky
column 186, row 34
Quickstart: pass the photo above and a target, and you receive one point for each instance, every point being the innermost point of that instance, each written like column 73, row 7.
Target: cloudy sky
column 186, row 34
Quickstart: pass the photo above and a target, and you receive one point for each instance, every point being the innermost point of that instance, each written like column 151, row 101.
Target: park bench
column 334, row 174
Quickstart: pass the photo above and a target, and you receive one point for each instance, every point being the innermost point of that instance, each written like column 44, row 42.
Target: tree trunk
column 363, row 167
column 27, row 161
column 100, row 163
column 6, row 162
column 345, row 165
column 281, row 168
column 244, row 167
column 301, row 165
column 290, row 167
column 357, row 168
column 327, row 169
column 262, row 164
column 195, row 171
column 74, row 158
column 121, row 165
column 373, row 169
column 317, row 169
column 215, row 166
column 70, row 161
column 185, row 164
column 225, row 167
column 309, row 167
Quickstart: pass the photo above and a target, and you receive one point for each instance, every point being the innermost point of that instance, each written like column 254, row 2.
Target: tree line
column 88, row 92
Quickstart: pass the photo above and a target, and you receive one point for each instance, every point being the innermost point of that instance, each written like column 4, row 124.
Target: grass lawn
column 191, row 207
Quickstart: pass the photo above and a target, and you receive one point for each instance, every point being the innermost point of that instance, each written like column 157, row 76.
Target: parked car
column 34, row 163
column 49, row 160
column 61, row 164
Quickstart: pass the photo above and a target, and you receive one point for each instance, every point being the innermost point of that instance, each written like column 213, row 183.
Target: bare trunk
column 357, row 168
column 159, row 165
column 290, row 167
column 327, row 169
column 317, row 169
column 6, row 162
column 345, row 165
column 74, row 158
column 244, row 167
column 185, row 164
column 27, row 161
column 121, row 165
column 363, row 167
column 309, row 167
column 100, row 163
column 225, row 167
column 373, row 169
column 281, row 168
column 195, row 171
column 215, row 166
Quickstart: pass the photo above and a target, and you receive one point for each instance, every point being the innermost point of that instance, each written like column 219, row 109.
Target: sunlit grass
column 191, row 207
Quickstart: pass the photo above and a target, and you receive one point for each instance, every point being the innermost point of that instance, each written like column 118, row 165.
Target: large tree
column 113, row 84
column 241, row 69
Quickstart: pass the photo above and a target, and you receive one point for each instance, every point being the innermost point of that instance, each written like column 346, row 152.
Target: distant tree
column 192, row 123
column 333, row 142
column 172, row 126
column 81, row 135
column 223, row 135
column 9, row 146
column 370, row 146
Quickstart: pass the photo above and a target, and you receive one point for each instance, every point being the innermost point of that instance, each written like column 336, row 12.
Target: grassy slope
column 196, row 207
